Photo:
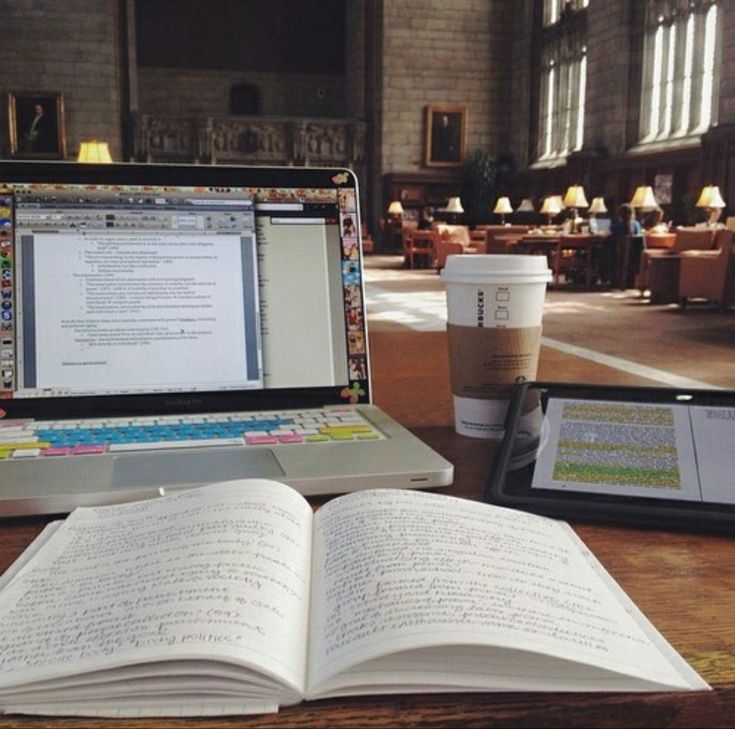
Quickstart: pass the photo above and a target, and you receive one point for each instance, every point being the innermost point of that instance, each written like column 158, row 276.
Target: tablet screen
column 646, row 455
column 660, row 451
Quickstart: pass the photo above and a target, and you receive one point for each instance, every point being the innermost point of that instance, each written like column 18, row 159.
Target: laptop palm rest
column 162, row 469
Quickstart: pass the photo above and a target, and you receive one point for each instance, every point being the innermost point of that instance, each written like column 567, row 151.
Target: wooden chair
column 419, row 246
column 368, row 245
column 709, row 274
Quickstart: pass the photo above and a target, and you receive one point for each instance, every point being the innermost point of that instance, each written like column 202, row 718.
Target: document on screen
column 140, row 312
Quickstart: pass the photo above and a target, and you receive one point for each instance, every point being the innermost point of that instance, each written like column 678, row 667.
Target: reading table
column 684, row 583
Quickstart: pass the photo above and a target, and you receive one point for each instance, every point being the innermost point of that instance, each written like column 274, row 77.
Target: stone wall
column 186, row 92
column 608, row 63
column 727, row 68
column 443, row 52
column 521, row 75
column 69, row 47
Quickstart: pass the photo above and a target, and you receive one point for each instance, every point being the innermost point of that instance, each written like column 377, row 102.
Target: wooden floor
column 604, row 337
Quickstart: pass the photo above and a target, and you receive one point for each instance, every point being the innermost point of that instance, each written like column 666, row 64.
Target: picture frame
column 662, row 188
column 36, row 125
column 445, row 137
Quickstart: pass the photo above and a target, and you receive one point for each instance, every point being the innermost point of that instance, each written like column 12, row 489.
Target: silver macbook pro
column 167, row 326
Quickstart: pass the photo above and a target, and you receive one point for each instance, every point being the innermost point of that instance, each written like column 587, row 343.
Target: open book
column 235, row 598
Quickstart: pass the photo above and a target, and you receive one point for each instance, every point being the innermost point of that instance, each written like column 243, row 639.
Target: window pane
column 658, row 45
column 563, row 79
column 680, row 69
column 708, row 81
column 580, row 109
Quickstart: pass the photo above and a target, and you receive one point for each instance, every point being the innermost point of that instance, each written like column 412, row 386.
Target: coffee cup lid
column 496, row 268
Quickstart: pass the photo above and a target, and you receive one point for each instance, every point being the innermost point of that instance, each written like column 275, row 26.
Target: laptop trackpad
column 193, row 467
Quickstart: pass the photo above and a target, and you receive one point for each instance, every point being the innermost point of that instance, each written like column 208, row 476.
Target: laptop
column 600, row 226
column 168, row 326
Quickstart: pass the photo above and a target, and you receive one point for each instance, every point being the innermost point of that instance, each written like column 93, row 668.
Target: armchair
column 458, row 233
column 709, row 274
column 659, row 269
column 452, row 240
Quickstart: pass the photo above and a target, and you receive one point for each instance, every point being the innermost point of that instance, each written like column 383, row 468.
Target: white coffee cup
column 494, row 307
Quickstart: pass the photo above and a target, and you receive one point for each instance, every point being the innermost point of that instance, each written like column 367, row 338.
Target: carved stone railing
column 249, row 140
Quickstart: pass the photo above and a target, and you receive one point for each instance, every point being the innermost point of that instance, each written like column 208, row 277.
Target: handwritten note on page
column 408, row 570
column 220, row 572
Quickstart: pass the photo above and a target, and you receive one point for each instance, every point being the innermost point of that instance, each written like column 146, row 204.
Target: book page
column 219, row 572
column 399, row 570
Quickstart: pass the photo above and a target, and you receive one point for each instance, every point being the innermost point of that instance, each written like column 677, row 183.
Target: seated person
column 653, row 222
column 426, row 219
column 626, row 238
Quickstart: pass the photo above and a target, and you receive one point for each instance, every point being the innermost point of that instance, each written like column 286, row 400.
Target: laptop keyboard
column 31, row 439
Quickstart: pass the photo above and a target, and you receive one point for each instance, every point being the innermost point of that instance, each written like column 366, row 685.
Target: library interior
column 334, row 163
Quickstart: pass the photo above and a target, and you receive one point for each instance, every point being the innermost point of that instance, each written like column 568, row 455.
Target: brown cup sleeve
column 485, row 361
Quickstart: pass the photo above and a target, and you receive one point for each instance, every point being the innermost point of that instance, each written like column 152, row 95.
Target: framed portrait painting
column 445, row 136
column 36, row 125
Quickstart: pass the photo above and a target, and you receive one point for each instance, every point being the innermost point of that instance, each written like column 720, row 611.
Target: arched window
column 563, row 79
column 680, row 69
column 245, row 100
column 553, row 9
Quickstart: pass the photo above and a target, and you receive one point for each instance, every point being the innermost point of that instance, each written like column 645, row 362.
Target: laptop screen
column 600, row 226
column 135, row 282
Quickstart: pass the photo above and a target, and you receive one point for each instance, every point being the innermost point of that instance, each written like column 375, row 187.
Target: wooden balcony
column 249, row 140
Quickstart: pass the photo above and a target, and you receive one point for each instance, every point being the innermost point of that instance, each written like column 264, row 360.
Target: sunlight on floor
column 420, row 310
column 571, row 307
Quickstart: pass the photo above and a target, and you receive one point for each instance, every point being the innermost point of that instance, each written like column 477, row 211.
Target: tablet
column 648, row 456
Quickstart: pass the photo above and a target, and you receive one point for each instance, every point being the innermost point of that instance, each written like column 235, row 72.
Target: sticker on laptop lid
column 352, row 392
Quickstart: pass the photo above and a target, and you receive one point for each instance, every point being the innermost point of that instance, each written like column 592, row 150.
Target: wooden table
column 583, row 244
column 554, row 246
column 684, row 583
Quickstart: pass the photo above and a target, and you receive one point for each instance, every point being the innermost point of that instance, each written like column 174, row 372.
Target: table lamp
column 395, row 209
column 526, row 206
column 551, row 207
column 596, row 208
column 713, row 202
column 575, row 199
column 503, row 208
column 454, row 206
column 94, row 152
column 644, row 199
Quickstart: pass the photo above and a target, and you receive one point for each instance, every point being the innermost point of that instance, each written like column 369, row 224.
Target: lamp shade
column 575, row 197
column 454, row 205
column 551, row 205
column 526, row 206
column 598, row 205
column 503, row 206
column 94, row 151
column 711, row 198
column 644, row 198
column 395, row 208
